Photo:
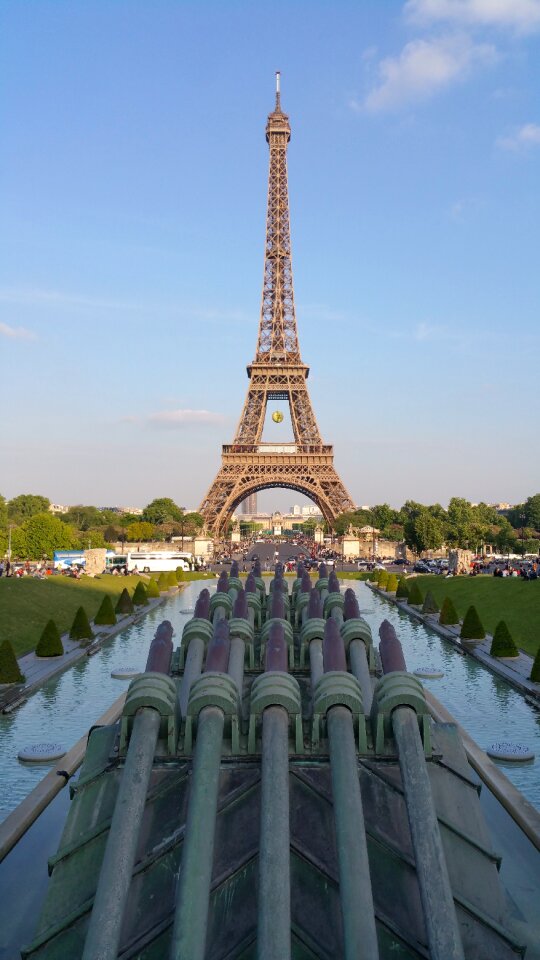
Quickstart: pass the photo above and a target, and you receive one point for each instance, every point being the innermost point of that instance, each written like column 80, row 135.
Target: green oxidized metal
column 398, row 689
column 338, row 688
column 276, row 689
column 154, row 691
column 213, row 689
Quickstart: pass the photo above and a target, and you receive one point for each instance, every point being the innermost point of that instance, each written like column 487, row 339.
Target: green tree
column 383, row 516
column 84, row 518
column 402, row 591
column 3, row 512
column 162, row 510
column 532, row 512
column 41, row 535
column 535, row 672
column 423, row 531
column 152, row 589
column 139, row 531
column 27, row 505
column 430, row 604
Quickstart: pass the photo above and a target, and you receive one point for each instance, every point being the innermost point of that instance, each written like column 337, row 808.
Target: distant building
column 135, row 511
column 58, row 508
column 249, row 505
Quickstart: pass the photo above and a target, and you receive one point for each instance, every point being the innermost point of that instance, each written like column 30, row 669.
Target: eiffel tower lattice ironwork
column 277, row 373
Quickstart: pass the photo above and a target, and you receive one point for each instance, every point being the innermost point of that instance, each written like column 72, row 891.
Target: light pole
column 522, row 517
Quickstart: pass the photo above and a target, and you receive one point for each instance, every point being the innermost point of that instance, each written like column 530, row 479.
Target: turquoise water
column 65, row 708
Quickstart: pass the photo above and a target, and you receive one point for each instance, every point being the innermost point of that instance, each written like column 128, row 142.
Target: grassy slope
column 496, row 598
column 27, row 604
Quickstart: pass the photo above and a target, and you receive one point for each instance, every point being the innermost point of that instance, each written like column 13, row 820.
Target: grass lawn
column 26, row 604
column 496, row 598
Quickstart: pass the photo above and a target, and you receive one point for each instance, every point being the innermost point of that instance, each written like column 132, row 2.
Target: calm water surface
column 65, row 708
column 488, row 708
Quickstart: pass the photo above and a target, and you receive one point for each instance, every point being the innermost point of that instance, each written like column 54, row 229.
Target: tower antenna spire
column 278, row 90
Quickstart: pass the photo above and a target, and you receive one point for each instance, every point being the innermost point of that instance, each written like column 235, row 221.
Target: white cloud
column 424, row 67
column 523, row 16
column 178, row 418
column 16, row 333
column 528, row 135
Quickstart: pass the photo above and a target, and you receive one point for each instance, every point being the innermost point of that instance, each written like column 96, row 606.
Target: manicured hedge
column 448, row 615
column 402, row 591
column 171, row 578
column 472, row 628
column 152, row 589
column 415, row 594
column 535, row 672
column 140, row 598
column 502, row 644
column 105, row 615
column 50, row 642
column 125, row 603
column 9, row 668
column 180, row 574
column 392, row 582
column 80, row 628
column 430, row 604
column 163, row 583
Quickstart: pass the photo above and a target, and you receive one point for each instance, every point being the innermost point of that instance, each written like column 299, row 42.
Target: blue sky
column 133, row 177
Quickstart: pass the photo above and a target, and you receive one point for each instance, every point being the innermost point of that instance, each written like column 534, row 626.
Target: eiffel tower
column 276, row 373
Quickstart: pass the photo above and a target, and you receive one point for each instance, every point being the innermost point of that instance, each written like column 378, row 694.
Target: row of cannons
column 275, row 678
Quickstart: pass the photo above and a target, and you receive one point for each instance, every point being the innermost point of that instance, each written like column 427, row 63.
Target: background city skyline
column 134, row 173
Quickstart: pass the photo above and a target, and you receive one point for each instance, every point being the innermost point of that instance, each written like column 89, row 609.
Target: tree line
column 462, row 524
column 35, row 532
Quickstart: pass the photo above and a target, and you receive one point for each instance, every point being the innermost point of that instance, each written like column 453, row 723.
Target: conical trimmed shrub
column 171, row 579
column 140, row 598
column 124, row 603
column 80, row 628
column 105, row 616
column 50, row 642
column 391, row 583
column 472, row 628
column 152, row 589
column 535, row 672
column 402, row 591
column 502, row 644
column 430, row 604
column 180, row 574
column 415, row 595
column 162, row 583
column 382, row 580
column 9, row 668
column 448, row 615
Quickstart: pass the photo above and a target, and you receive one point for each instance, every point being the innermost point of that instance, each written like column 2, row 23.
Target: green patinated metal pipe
column 360, row 669
column 105, row 927
column 359, row 932
column 193, row 895
column 274, row 915
column 435, row 890
column 192, row 670
column 316, row 661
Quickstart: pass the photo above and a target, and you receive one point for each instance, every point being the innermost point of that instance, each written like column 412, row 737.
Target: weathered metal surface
column 161, row 648
column 282, row 872
column 217, row 657
column 390, row 649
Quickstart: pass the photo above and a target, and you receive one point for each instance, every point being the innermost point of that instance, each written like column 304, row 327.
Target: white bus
column 148, row 562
